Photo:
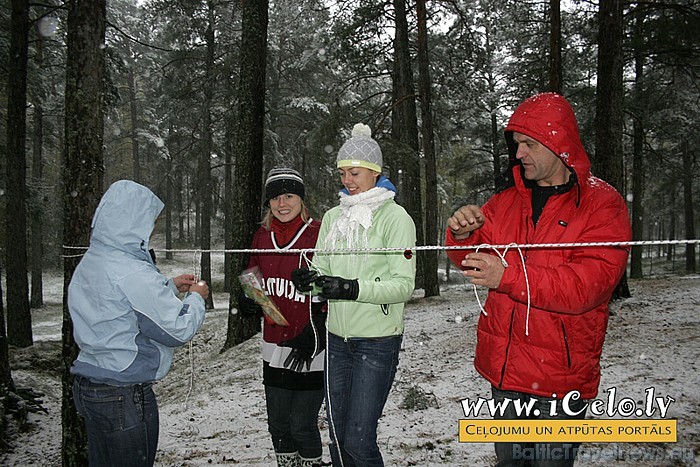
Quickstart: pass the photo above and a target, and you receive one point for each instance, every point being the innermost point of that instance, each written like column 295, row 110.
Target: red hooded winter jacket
column 557, row 348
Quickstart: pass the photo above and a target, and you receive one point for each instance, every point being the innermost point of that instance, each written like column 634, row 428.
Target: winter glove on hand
column 304, row 344
column 248, row 307
column 305, row 341
column 296, row 361
column 337, row 288
column 303, row 278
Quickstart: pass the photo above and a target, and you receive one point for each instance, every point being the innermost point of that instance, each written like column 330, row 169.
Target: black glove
column 249, row 307
column 295, row 361
column 305, row 341
column 303, row 278
column 337, row 288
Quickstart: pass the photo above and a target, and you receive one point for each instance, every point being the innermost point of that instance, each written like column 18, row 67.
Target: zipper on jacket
column 566, row 345
column 345, row 327
column 528, row 220
column 510, row 340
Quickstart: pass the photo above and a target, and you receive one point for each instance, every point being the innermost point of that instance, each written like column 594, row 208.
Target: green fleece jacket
column 386, row 279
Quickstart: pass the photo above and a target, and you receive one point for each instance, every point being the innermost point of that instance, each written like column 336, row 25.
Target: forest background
column 198, row 99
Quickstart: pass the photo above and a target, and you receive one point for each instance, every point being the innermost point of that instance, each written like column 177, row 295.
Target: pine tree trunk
column 5, row 370
column 228, row 201
column 608, row 161
column 180, row 206
column 555, row 72
column 6, row 383
column 690, row 264
column 83, row 174
column 133, row 115
column 671, row 249
column 36, row 299
column 229, row 192
column 19, row 320
column 638, row 174
column 430, row 276
column 249, row 154
column 169, row 211
column 205, row 184
column 170, row 204
column 404, row 130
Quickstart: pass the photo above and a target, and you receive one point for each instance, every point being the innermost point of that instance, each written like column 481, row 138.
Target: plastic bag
column 251, row 281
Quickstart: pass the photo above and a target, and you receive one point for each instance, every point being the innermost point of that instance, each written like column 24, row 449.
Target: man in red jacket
column 541, row 332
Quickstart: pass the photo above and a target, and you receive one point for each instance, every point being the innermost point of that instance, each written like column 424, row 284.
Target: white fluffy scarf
column 357, row 211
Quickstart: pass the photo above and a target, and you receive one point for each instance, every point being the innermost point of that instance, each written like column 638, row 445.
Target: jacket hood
column 125, row 217
column 548, row 118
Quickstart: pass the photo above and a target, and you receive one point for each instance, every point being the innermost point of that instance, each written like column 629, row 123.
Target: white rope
column 505, row 265
column 73, row 256
column 424, row 247
column 196, row 271
column 307, row 262
column 331, row 422
column 304, row 256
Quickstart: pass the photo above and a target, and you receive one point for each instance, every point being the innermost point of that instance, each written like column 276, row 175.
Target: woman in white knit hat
column 366, row 292
column 293, row 355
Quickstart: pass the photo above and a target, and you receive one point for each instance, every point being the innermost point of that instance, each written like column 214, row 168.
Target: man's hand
column 183, row 282
column 337, row 288
column 483, row 269
column 465, row 220
column 201, row 288
column 303, row 278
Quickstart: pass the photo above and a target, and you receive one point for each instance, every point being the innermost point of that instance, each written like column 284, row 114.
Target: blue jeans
column 359, row 375
column 121, row 422
column 292, row 419
column 536, row 454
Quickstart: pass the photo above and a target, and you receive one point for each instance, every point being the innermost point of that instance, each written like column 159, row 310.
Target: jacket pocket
column 385, row 306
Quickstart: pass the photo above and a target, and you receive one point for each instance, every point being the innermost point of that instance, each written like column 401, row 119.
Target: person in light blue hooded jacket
column 127, row 322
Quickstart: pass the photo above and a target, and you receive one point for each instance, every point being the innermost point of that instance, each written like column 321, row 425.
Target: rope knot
column 502, row 256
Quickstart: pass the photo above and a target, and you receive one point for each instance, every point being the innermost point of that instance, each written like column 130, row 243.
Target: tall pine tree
column 82, row 180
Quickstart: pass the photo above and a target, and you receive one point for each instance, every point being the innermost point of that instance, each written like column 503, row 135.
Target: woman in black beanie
column 293, row 355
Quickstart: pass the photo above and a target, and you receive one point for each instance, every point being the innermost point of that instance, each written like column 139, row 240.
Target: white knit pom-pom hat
column 360, row 150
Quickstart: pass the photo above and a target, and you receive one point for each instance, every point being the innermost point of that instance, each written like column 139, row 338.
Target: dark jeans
column 121, row 422
column 536, row 454
column 292, row 419
column 360, row 373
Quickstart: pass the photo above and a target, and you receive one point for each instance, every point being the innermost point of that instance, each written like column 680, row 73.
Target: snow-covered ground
column 213, row 410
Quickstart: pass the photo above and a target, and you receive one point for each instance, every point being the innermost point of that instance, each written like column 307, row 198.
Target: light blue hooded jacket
column 127, row 318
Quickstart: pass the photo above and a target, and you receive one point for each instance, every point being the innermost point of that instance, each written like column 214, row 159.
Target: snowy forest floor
column 212, row 407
